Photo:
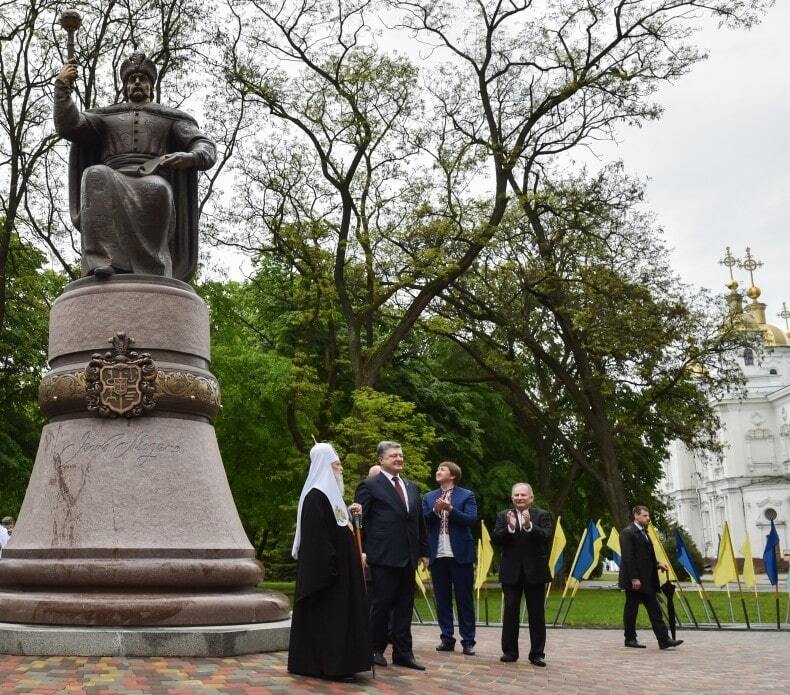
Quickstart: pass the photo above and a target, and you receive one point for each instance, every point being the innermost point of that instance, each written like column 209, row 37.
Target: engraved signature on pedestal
column 142, row 447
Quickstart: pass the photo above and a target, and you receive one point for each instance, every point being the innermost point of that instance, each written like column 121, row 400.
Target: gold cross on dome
column 730, row 261
column 751, row 264
column 785, row 314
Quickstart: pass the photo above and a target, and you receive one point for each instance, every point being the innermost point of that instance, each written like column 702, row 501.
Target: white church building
column 750, row 482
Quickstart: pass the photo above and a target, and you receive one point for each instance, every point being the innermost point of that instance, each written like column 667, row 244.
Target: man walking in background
column 639, row 579
column 394, row 541
column 450, row 512
column 524, row 532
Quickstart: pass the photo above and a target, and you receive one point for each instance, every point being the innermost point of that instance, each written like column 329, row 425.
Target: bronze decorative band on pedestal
column 177, row 390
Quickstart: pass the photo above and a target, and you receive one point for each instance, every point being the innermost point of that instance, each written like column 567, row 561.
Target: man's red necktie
column 399, row 489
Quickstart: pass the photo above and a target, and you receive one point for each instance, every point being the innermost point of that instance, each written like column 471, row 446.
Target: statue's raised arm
column 133, row 177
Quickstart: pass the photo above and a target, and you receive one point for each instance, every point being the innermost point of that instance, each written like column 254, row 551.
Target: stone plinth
column 130, row 521
column 205, row 641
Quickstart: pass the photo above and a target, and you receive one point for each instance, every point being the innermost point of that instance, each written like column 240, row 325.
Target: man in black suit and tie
column 395, row 540
column 524, row 532
column 639, row 579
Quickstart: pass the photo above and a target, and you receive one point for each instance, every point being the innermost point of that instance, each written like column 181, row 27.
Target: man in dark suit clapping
column 394, row 540
column 524, row 532
column 639, row 579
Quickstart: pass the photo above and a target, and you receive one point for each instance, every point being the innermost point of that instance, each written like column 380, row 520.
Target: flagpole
column 757, row 600
column 729, row 598
column 776, row 594
column 576, row 586
column 710, row 603
column 687, row 606
column 704, row 605
column 743, row 600
column 485, row 602
column 570, row 576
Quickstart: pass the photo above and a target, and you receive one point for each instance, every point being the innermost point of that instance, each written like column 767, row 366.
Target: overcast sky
column 719, row 159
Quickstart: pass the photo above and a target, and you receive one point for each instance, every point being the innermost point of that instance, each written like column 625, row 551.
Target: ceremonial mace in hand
column 70, row 20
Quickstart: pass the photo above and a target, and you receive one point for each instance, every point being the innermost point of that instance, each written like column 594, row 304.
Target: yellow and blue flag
column 588, row 554
column 613, row 543
column 556, row 557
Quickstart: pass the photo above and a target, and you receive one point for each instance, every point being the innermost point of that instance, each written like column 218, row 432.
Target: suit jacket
column 638, row 560
column 391, row 535
column 527, row 550
column 461, row 519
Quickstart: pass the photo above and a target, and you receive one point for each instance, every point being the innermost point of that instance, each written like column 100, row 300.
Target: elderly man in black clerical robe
column 133, row 177
column 329, row 626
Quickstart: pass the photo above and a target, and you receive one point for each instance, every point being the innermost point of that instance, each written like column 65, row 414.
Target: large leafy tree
column 577, row 317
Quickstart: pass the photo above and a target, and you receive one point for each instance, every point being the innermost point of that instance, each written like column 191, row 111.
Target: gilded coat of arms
column 120, row 382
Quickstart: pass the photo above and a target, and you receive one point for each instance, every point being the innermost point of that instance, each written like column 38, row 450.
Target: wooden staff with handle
column 356, row 522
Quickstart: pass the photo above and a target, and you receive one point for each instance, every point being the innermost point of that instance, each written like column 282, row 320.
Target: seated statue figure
column 133, row 177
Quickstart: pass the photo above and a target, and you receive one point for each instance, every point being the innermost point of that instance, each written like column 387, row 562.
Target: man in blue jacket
column 450, row 512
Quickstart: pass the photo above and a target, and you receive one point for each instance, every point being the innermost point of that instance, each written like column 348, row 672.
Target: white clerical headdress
column 321, row 477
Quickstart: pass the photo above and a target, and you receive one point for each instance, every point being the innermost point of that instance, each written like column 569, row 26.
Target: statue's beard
column 340, row 484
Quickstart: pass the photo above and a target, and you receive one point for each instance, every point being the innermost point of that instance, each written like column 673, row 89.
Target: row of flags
column 588, row 555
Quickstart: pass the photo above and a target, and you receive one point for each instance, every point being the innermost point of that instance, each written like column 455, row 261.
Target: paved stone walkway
column 588, row 662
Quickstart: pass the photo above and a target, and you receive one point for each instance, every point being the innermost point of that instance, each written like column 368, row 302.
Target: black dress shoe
column 537, row 661
column 408, row 663
column 469, row 650
column 104, row 271
column 446, row 647
column 507, row 658
column 633, row 643
column 378, row 659
column 670, row 643
column 345, row 678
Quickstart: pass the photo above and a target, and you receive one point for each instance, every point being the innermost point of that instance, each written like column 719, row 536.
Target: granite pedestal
column 130, row 521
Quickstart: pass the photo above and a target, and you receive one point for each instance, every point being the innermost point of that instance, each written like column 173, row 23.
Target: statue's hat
column 137, row 62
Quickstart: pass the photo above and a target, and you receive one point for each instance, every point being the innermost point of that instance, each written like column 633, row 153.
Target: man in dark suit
column 639, row 579
column 524, row 532
column 394, row 540
column 450, row 512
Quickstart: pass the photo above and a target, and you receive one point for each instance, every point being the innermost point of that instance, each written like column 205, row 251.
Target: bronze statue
column 133, row 177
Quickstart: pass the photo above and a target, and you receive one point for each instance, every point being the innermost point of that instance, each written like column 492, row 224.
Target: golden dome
column 772, row 335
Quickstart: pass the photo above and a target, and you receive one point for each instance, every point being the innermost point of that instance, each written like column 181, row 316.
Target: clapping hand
column 511, row 520
column 526, row 520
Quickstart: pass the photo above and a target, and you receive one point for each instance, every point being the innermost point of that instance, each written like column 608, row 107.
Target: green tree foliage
column 23, row 340
column 379, row 416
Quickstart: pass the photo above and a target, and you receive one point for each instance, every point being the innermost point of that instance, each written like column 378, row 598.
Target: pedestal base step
column 133, row 609
column 194, row 641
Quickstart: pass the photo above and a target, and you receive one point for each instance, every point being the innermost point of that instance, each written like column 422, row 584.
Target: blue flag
column 684, row 558
column 558, row 565
column 769, row 555
column 587, row 554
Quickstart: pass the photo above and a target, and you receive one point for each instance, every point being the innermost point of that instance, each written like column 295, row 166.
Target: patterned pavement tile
column 580, row 662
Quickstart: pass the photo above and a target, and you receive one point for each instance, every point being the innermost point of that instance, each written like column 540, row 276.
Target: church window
column 748, row 357
column 773, row 372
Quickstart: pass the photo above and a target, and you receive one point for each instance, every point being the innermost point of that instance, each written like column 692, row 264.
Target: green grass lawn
column 603, row 607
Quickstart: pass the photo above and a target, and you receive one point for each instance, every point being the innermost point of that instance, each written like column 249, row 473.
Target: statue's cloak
column 184, row 184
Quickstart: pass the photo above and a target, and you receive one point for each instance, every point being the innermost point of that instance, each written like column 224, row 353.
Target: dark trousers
column 391, row 604
column 449, row 576
column 534, row 595
column 650, row 602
